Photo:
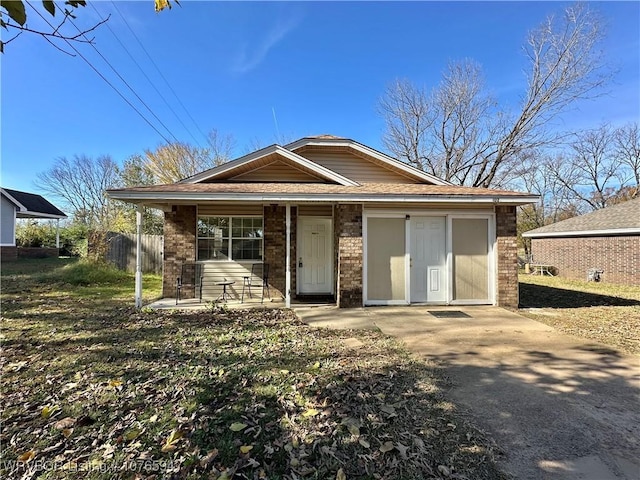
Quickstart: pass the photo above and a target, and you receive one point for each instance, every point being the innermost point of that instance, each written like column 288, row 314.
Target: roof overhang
column 23, row 212
column 584, row 233
column 359, row 147
column 156, row 198
column 296, row 159
column 28, row 214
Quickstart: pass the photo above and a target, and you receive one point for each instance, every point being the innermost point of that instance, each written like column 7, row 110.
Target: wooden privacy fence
column 122, row 252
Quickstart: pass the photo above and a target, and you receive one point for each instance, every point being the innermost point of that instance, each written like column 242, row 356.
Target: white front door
column 428, row 259
column 315, row 255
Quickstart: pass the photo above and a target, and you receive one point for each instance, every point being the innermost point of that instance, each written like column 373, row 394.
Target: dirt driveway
column 560, row 407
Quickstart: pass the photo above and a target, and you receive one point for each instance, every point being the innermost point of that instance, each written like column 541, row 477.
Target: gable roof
column 620, row 219
column 379, row 157
column 243, row 164
column 31, row 205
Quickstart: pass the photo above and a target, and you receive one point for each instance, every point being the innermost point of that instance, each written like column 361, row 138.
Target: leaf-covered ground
column 606, row 313
column 90, row 385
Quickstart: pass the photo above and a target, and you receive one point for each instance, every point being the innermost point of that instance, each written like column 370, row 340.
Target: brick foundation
column 179, row 246
column 8, row 254
column 348, row 227
column 618, row 256
column 507, row 256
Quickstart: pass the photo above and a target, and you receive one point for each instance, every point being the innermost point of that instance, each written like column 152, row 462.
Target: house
column 331, row 216
column 15, row 204
column 607, row 239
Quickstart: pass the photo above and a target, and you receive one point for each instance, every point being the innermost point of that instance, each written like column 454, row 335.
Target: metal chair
column 191, row 275
column 258, row 271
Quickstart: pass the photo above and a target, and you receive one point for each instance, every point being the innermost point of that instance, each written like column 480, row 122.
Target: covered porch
column 303, row 251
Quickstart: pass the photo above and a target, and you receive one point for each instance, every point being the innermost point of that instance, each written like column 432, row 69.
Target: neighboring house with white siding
column 333, row 217
column 607, row 239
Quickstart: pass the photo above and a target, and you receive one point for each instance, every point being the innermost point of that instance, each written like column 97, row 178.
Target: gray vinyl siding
column 7, row 222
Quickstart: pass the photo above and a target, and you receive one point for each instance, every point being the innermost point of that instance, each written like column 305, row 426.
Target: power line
column 147, row 77
column 101, row 76
column 126, row 83
column 158, row 69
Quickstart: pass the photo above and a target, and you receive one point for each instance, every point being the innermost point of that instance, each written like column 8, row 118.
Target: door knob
column 300, row 262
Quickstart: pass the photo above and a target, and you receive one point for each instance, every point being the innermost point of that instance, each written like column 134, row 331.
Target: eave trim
column 585, row 233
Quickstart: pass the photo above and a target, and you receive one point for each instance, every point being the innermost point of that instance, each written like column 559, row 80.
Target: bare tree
column 479, row 140
column 626, row 141
column 592, row 171
column 408, row 115
column 220, row 146
column 81, row 183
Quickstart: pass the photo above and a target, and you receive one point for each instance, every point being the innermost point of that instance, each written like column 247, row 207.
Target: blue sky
column 321, row 67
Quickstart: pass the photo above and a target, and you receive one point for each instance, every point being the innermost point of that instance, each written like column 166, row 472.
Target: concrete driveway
column 561, row 407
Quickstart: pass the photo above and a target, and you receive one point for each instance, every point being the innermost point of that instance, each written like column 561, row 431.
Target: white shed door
column 315, row 252
column 428, row 259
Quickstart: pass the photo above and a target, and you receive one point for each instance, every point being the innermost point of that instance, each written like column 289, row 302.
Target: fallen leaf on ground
column 49, row 410
column 236, row 427
column 386, row 447
column 27, row 456
column 66, row 422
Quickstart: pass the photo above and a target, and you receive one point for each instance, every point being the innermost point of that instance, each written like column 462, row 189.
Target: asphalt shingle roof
column 322, row 188
column 622, row 216
column 35, row 203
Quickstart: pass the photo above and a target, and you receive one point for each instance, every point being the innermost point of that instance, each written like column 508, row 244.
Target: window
column 230, row 238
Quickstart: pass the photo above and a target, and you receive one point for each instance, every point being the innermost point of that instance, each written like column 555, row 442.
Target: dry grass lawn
column 92, row 388
column 606, row 313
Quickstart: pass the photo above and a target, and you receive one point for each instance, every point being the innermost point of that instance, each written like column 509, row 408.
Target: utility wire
column 158, row 69
column 147, row 77
column 101, row 76
column 127, row 84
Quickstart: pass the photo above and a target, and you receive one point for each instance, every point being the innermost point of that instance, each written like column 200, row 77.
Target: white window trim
column 230, row 238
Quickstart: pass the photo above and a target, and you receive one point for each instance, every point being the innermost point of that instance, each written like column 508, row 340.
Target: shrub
column 85, row 272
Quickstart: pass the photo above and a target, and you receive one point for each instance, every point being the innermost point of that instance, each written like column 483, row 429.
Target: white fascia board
column 145, row 197
column 585, row 233
column 28, row 214
column 294, row 157
column 372, row 153
column 20, row 206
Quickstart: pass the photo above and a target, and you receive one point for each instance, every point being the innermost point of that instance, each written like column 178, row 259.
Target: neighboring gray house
column 15, row 204
column 607, row 239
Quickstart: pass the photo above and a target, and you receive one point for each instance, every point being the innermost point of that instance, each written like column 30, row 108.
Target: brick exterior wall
column 507, row 256
column 8, row 253
column 618, row 256
column 275, row 243
column 348, row 227
column 179, row 246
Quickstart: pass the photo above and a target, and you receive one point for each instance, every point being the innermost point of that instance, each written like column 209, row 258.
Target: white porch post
column 138, row 294
column 287, row 287
column 58, row 234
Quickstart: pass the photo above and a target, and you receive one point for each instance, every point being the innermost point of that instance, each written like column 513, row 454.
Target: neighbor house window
column 230, row 238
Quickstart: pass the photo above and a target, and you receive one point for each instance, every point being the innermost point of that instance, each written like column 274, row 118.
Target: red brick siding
column 507, row 256
column 179, row 247
column 9, row 253
column 275, row 243
column 348, row 220
column 618, row 256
